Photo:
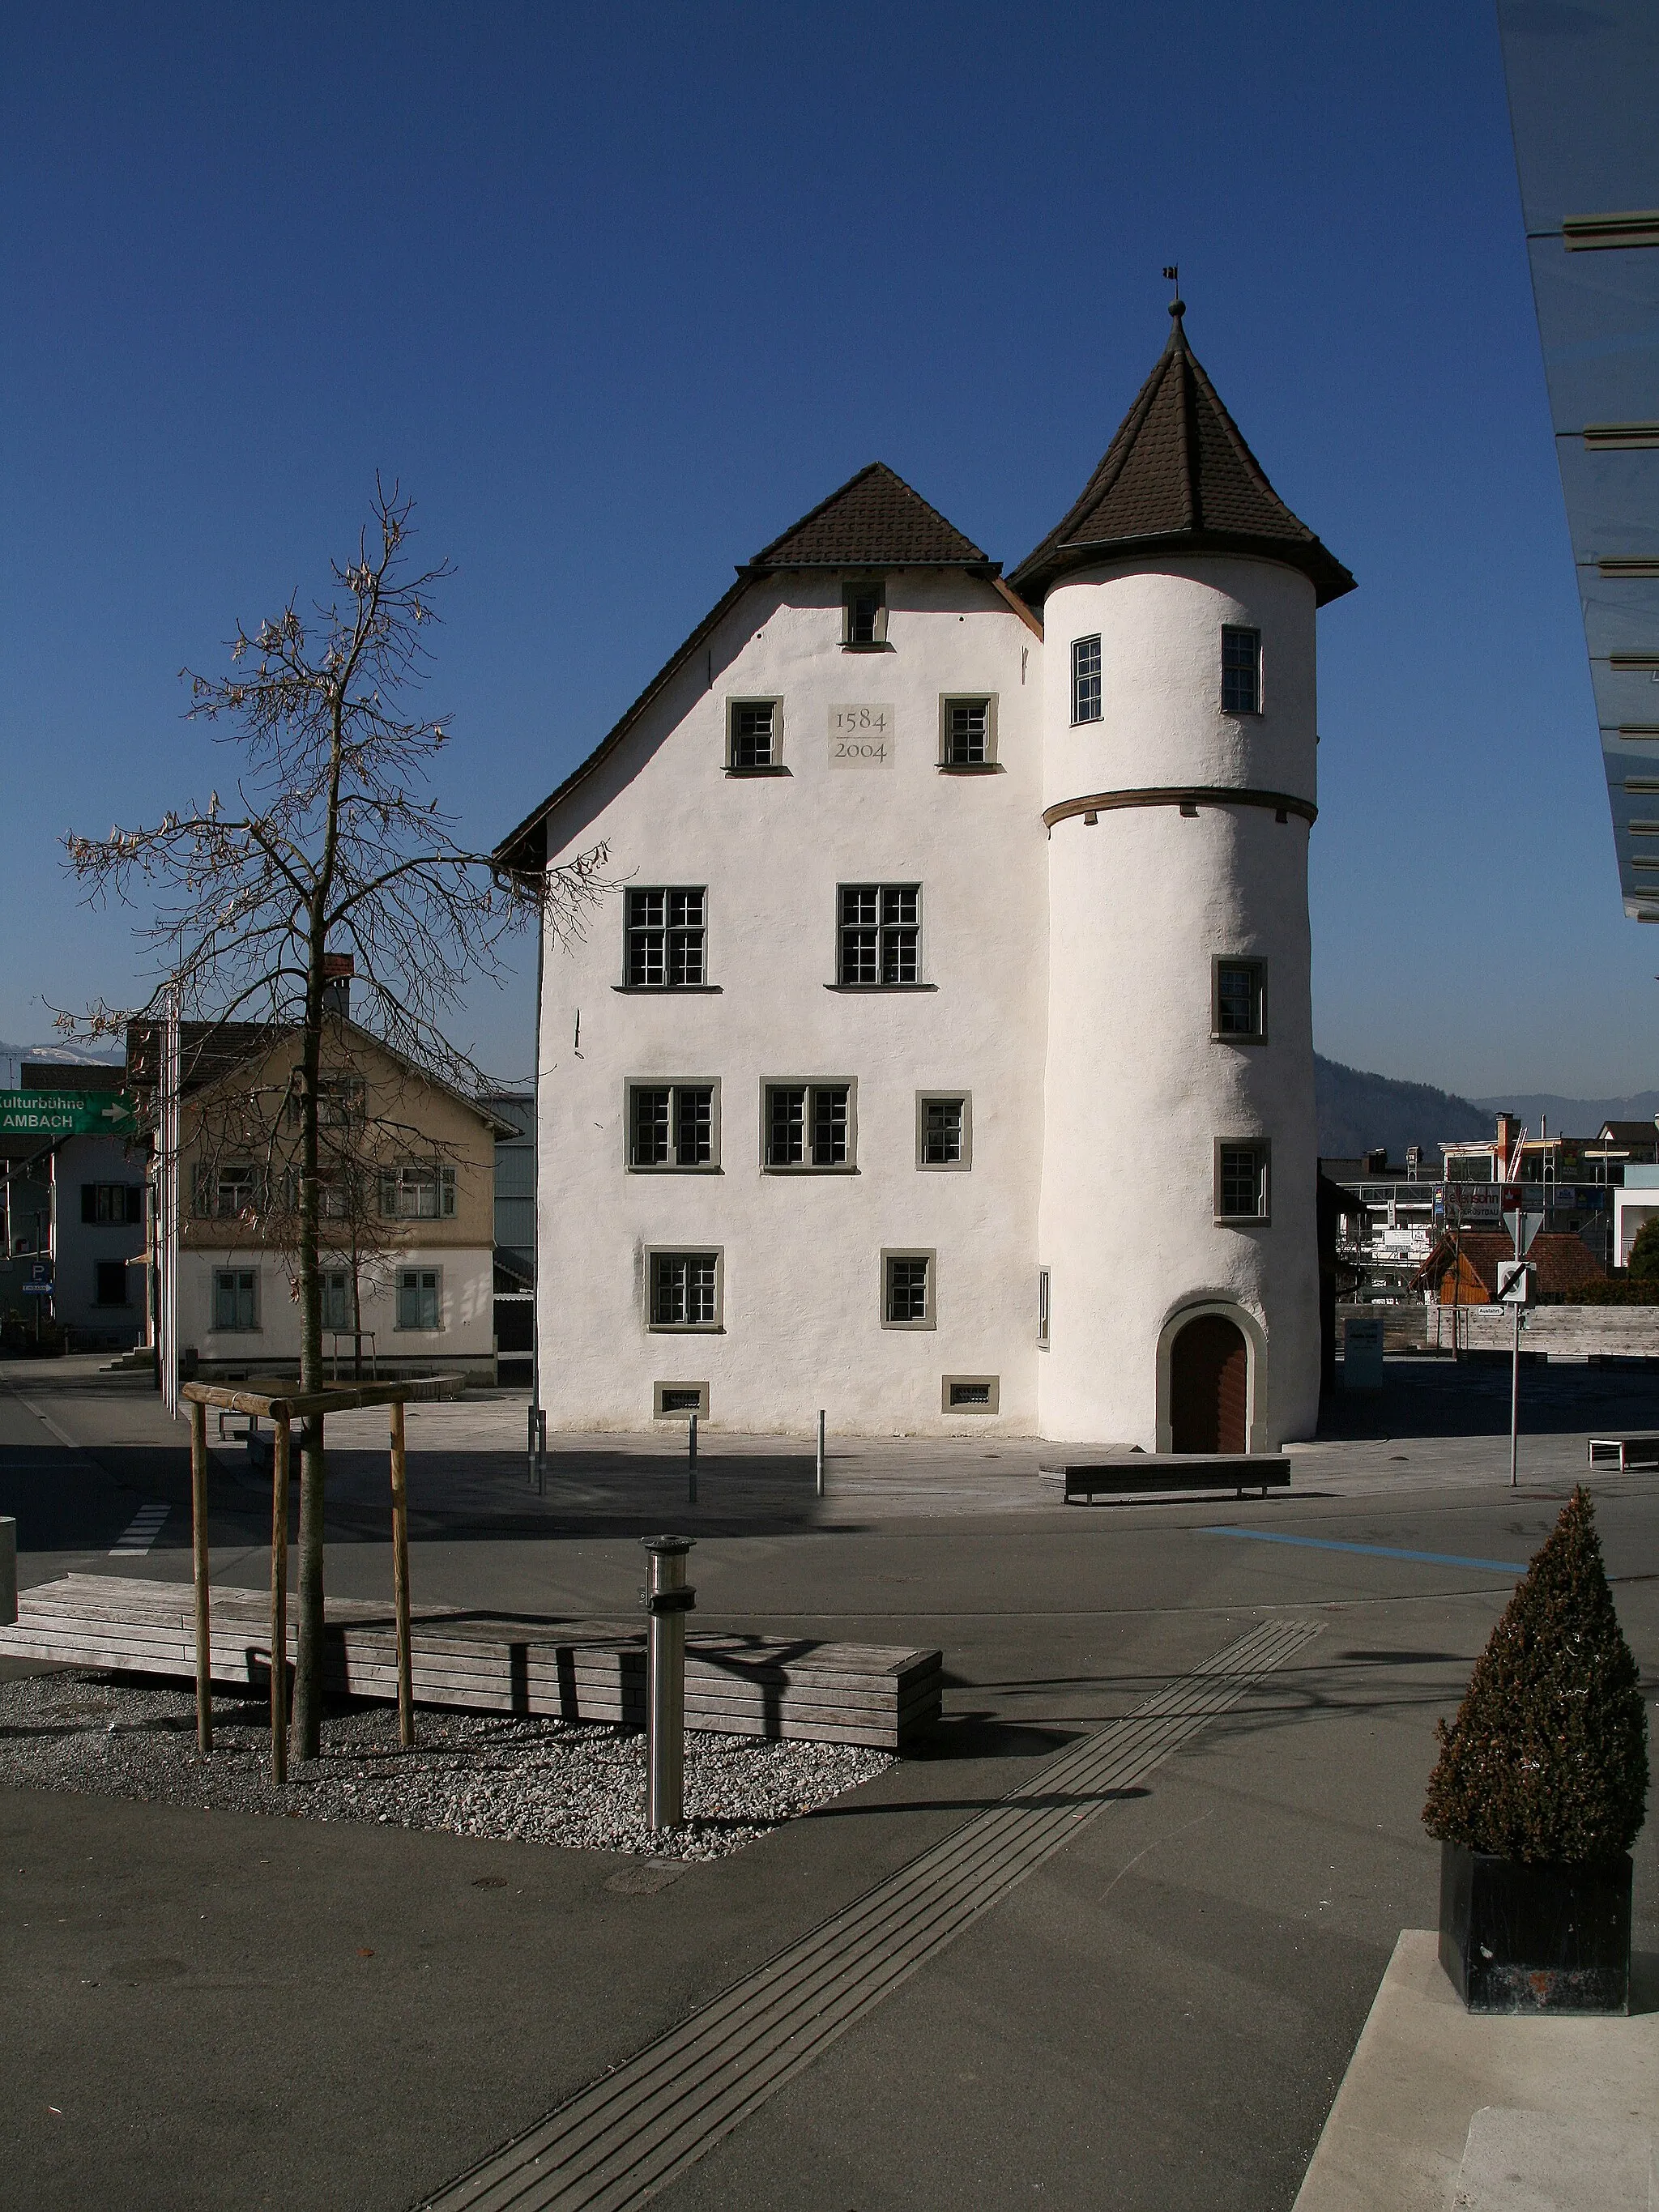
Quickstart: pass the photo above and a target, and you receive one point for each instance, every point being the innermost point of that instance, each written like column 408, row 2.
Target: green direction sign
column 45, row 1115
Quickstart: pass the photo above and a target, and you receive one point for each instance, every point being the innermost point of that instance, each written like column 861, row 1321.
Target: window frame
column 443, row 1182
column 654, row 1253
column 1262, row 1147
column 234, row 1275
column 1250, row 630
column 1259, row 1035
column 209, row 1179
column 1045, row 1309
column 97, row 1200
column 924, row 1100
column 1097, row 676
column 402, row 1327
column 890, row 1253
column 992, row 1384
column 918, row 982
column 669, row 933
column 774, row 765
column 990, row 764
column 854, row 589
column 673, row 1085
column 810, row 1084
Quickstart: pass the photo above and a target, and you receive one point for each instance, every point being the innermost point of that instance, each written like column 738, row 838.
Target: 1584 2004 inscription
column 861, row 737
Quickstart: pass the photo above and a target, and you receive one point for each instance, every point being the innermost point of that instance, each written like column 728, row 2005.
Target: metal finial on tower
column 1177, row 305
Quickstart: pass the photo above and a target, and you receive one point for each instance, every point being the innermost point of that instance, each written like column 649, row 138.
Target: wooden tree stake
column 279, row 1506
column 400, row 1579
column 199, row 1535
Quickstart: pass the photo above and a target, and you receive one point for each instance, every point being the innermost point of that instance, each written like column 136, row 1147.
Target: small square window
column 864, row 612
column 234, row 1191
column 1241, row 671
column 969, row 1393
column 753, row 731
column 112, row 1281
column 1085, row 679
column 1241, row 1181
column 808, row 1124
column 880, row 939
column 673, row 1125
column 685, row 1290
column 665, row 931
column 944, row 1129
column 420, row 1297
column 1239, row 1009
column 907, row 1290
column 968, row 733
column 236, row 1298
column 112, row 1204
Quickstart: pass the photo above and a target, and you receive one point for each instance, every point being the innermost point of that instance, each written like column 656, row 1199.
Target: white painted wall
column 1138, row 1091
column 802, row 1325
column 469, row 1319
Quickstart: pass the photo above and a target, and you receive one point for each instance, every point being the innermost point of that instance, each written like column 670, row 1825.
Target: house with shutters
column 946, row 903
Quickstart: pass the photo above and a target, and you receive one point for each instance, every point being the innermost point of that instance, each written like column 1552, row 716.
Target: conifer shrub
column 1644, row 1254
column 1546, row 1760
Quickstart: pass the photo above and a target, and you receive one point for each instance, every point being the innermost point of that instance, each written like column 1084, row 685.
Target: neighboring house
column 516, row 1229
column 1634, row 1144
column 408, row 1182
column 1463, row 1270
column 79, row 1200
column 945, row 1055
column 1636, row 1203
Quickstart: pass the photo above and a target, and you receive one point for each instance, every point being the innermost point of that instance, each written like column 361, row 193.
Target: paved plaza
column 1151, row 1970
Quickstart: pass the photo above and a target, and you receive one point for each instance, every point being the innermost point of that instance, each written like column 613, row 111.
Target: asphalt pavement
column 218, row 2009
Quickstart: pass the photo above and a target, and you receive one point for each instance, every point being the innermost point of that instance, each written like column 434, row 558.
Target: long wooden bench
column 1636, row 1448
column 1124, row 1473
column 761, row 1686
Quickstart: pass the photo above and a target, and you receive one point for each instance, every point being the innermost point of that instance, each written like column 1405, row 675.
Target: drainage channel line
column 141, row 1531
column 617, row 2142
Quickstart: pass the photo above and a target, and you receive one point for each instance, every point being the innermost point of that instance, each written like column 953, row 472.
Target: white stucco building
column 944, row 1058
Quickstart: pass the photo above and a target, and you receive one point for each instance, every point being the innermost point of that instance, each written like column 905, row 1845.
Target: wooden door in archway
column 1209, row 1384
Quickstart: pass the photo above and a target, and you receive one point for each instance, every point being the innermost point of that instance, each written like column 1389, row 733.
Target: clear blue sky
column 619, row 292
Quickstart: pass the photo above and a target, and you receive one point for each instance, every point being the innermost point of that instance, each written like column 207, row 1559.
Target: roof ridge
column 892, row 526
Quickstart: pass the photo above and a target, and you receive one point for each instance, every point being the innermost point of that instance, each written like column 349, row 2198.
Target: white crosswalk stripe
column 145, row 1528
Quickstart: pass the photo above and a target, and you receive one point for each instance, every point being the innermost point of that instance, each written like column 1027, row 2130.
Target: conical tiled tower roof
column 1179, row 479
column 874, row 521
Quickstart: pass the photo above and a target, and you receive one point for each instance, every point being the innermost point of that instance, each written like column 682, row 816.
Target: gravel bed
column 472, row 1774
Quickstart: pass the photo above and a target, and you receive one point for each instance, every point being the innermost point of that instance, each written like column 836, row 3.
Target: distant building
column 77, row 1201
column 1462, row 1269
column 515, row 1230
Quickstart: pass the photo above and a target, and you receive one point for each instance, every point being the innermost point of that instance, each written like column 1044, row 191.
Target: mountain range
column 1358, row 1110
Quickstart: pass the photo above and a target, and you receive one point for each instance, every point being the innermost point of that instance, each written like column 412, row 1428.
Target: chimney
column 1509, row 1132
column 338, row 968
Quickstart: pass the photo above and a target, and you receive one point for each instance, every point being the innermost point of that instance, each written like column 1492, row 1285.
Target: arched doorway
column 1209, row 1386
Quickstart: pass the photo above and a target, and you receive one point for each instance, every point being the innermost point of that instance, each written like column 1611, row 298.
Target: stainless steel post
column 541, row 1451
column 1515, row 1391
column 691, row 1460
column 820, row 1482
column 667, row 1601
column 531, row 1441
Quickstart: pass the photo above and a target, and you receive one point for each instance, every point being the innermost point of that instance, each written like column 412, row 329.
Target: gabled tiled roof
column 1178, row 477
column 1562, row 1259
column 874, row 521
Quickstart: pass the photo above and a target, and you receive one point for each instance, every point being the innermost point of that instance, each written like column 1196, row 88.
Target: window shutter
column 201, row 1188
column 389, row 1193
column 447, row 1178
column 88, row 1201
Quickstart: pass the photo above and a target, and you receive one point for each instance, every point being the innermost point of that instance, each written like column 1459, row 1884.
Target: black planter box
column 1517, row 1938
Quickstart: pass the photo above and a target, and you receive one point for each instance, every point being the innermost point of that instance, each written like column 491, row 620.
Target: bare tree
column 332, row 845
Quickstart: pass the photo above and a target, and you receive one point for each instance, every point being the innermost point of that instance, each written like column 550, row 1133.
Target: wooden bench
column 1637, row 1447
column 1125, row 1473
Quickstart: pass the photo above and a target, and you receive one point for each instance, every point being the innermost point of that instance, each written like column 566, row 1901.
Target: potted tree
column 1540, row 1791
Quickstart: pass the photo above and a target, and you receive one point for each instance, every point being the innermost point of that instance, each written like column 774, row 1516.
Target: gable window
column 808, row 1124
column 753, row 732
column 229, row 1193
column 880, row 934
column 342, row 1102
column 673, row 1125
column 112, row 1204
column 907, row 1290
column 968, row 733
column 418, row 1194
column 1241, row 671
column 665, row 938
column 864, row 612
column 420, row 1297
column 686, row 1290
column 944, row 1130
column 236, row 1298
column 1241, row 1181
column 1239, row 1005
column 1085, row 679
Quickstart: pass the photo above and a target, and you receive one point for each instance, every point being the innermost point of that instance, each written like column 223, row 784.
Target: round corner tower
column 1177, row 1220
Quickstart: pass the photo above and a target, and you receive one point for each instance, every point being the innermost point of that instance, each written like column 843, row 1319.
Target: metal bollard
column 691, row 1460
column 529, row 1441
column 7, row 1572
column 820, row 1484
column 541, row 1449
column 668, row 1601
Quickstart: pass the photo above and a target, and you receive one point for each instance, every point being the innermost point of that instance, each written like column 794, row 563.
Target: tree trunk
column 308, row 1668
